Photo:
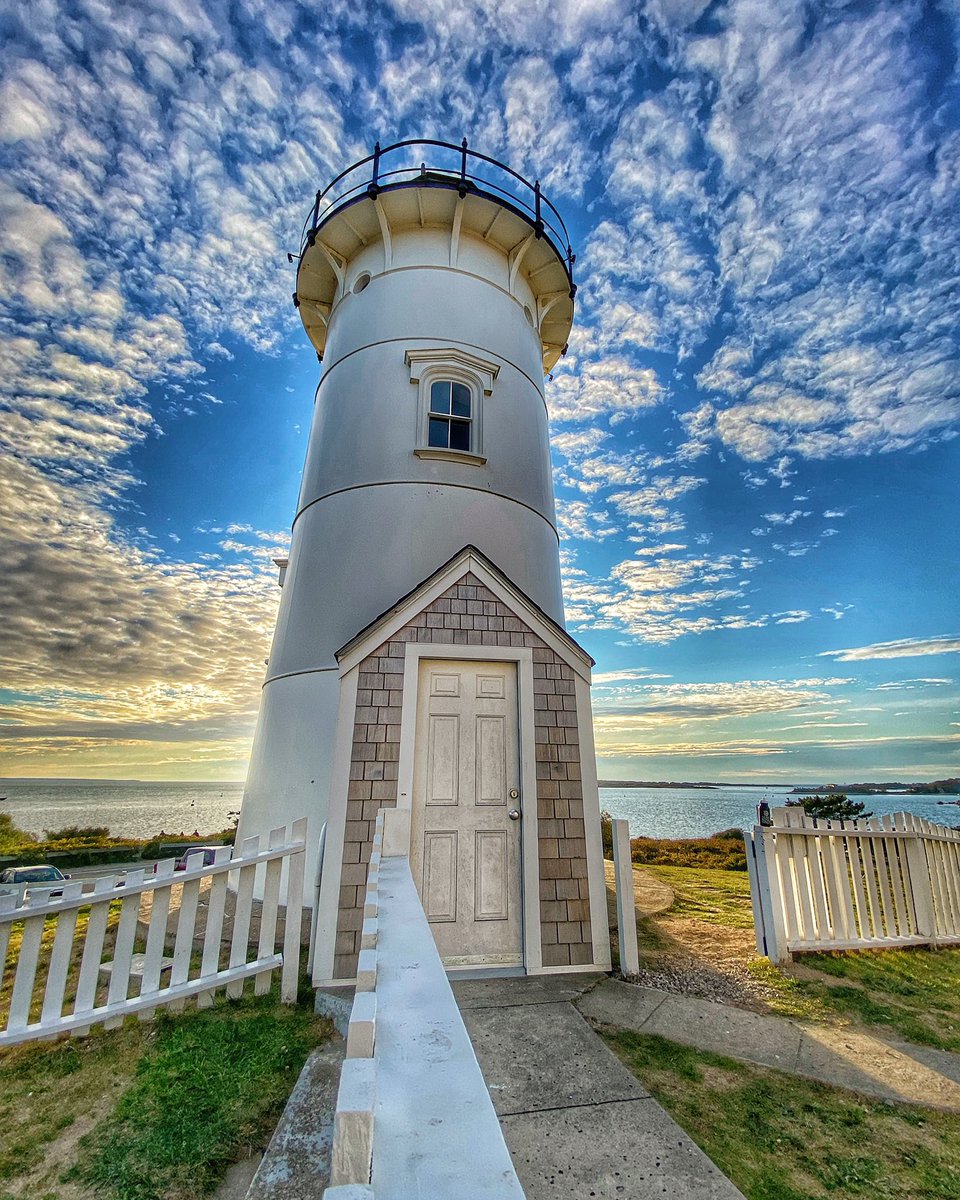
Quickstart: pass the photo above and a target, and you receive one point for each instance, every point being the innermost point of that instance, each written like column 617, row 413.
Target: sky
column 754, row 429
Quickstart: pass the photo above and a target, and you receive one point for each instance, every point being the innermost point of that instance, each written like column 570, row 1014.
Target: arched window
column 452, row 389
column 450, row 417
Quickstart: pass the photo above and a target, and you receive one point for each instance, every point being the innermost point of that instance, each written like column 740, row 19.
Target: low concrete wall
column 414, row 1117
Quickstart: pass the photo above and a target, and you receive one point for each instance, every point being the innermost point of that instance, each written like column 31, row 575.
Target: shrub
column 724, row 850
column 78, row 833
column 12, row 838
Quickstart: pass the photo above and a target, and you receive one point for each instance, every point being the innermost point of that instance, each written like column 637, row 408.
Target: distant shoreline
column 634, row 783
column 937, row 787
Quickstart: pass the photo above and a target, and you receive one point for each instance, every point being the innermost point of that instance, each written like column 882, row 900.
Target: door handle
column 514, row 814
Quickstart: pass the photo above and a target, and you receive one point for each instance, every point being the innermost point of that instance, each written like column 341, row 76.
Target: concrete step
column 296, row 1165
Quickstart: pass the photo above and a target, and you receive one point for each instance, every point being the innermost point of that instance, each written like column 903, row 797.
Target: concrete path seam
column 660, row 1004
column 532, row 1112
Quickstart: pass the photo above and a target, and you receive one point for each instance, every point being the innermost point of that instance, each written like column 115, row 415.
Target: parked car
column 192, row 858
column 42, row 876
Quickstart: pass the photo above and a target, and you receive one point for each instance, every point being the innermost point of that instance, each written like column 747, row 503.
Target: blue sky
column 754, row 427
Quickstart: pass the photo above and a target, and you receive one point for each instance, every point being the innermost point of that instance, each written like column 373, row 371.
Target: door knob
column 514, row 814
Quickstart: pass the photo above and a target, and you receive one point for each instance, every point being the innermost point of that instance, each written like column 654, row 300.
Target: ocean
column 142, row 810
column 696, row 812
column 130, row 808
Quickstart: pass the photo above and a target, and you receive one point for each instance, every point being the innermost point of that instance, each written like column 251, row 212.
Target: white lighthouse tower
column 420, row 658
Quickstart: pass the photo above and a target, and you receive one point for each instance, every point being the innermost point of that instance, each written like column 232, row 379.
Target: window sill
column 460, row 456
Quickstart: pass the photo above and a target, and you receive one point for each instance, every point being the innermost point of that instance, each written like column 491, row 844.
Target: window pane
column 461, row 400
column 459, row 435
column 437, row 435
column 440, row 397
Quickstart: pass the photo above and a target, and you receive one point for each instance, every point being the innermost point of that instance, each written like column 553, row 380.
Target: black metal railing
column 516, row 193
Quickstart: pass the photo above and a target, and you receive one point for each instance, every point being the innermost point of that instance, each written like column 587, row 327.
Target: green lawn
column 783, row 1138
column 152, row 1111
column 720, row 897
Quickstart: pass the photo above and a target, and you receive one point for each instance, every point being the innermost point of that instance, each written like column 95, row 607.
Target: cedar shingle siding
column 468, row 614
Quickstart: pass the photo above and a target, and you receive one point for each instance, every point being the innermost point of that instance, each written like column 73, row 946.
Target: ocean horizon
column 145, row 808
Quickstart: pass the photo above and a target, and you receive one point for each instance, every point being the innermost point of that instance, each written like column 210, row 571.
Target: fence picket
column 93, row 949
column 216, row 904
column 951, row 853
column 904, row 822
column 940, row 888
column 26, row 975
column 123, row 947
column 60, row 957
column 855, row 863
column 883, row 879
column 241, row 916
column 819, row 888
column 183, row 943
column 897, row 873
column 268, row 911
column 836, row 890
column 786, row 885
column 156, row 935
column 873, row 897
column 293, row 918
column 804, row 889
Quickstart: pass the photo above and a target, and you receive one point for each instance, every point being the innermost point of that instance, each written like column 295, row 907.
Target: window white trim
column 429, row 366
column 461, row 456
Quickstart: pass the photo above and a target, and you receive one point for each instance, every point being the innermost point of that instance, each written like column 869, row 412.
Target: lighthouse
column 420, row 658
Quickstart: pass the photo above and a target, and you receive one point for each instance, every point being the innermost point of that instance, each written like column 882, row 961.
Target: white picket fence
column 61, row 983
column 852, row 885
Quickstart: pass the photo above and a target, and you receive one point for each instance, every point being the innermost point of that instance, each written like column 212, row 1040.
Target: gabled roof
column 474, row 561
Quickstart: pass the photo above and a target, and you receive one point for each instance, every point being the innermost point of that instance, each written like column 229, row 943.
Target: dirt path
column 650, row 894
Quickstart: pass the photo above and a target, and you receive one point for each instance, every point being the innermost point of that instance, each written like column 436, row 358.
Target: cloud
column 663, row 593
column 105, row 639
column 900, row 648
column 659, row 705
column 614, row 388
column 841, row 344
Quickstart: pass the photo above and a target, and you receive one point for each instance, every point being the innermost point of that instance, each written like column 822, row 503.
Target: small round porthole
column 528, row 314
column 361, row 282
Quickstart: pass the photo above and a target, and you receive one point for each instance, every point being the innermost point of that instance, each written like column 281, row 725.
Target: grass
column 912, row 994
column 783, row 1138
column 717, row 896
column 151, row 1111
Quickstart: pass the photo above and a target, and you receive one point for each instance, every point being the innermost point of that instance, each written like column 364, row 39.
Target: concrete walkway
column 576, row 1122
column 896, row 1071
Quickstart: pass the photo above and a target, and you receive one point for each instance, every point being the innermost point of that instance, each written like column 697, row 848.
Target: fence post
column 771, row 905
column 759, row 917
column 626, row 905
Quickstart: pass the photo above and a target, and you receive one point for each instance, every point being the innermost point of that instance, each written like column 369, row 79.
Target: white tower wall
column 373, row 517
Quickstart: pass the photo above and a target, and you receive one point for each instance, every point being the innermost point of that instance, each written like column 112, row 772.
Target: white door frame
column 522, row 656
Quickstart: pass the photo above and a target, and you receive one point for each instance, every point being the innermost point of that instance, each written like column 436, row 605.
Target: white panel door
column 465, row 851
